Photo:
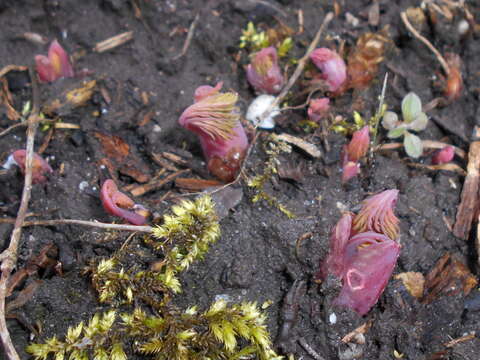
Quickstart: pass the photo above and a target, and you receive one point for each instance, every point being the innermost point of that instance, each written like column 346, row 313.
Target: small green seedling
column 414, row 119
column 253, row 39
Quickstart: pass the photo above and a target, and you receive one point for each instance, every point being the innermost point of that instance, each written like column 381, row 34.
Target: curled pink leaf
column 57, row 65
column 318, row 109
column 215, row 119
column 443, row 156
column 349, row 170
column 358, row 146
column 369, row 260
column 377, row 215
column 340, row 235
column 333, row 67
column 263, row 73
column 116, row 203
column 39, row 166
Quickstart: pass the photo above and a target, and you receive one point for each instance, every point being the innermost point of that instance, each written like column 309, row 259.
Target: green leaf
column 413, row 145
column 411, row 107
column 390, row 120
column 420, row 122
column 396, row 133
column 285, row 47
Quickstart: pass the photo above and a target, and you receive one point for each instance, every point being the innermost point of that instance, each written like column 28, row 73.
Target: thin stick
column 8, row 68
column 107, row 226
column 415, row 33
column 188, row 40
column 9, row 256
column 427, row 144
column 306, row 346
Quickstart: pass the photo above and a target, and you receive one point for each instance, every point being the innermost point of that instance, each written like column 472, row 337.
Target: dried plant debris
column 449, row 276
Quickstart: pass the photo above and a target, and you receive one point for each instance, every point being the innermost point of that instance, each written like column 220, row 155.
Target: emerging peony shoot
column 443, row 156
column 318, row 109
column 116, row 203
column 353, row 152
column 215, row 119
column 332, row 66
column 56, row 66
column 39, row 167
column 363, row 252
column 263, row 73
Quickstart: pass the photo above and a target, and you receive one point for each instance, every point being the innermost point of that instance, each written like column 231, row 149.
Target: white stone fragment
column 83, row 185
column 256, row 109
column 10, row 161
column 332, row 318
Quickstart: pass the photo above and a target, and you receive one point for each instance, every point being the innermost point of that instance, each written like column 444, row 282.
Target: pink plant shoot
column 368, row 262
column 116, row 203
column 353, row 152
column 331, row 65
column 263, row 73
column 215, row 119
column 39, row 166
column 443, row 156
column 377, row 215
column 318, row 109
column 57, row 65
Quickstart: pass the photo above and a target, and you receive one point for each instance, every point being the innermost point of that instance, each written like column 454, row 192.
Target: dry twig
column 427, row 144
column 432, row 48
column 188, row 40
column 113, row 42
column 9, row 256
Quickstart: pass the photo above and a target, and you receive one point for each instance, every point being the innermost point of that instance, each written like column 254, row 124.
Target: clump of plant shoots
column 414, row 119
column 54, row 66
column 263, row 72
column 40, row 168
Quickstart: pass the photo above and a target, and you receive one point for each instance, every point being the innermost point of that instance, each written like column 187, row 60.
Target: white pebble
column 10, row 161
column 83, row 185
column 256, row 109
column 332, row 318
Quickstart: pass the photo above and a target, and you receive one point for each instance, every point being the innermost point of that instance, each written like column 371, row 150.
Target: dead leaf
column 413, row 282
column 449, row 276
column 70, row 99
column 23, row 296
column 120, row 156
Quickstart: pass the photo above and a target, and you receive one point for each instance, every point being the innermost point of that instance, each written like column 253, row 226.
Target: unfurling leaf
column 411, row 107
column 390, row 120
column 420, row 122
column 413, row 145
column 396, row 133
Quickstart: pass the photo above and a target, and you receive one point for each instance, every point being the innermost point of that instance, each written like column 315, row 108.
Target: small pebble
column 332, row 318
column 83, row 185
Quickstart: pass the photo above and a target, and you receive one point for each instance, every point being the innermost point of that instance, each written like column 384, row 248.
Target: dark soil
column 257, row 257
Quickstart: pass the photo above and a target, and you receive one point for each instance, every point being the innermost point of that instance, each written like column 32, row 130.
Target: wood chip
column 157, row 184
column 309, row 148
column 446, row 167
column 362, row 329
column 113, row 42
column 196, row 184
column 469, row 199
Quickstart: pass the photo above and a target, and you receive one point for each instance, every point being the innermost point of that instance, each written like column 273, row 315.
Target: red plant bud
column 368, row 262
column 39, row 166
column 349, row 170
column 332, row 66
column 215, row 119
column 318, row 108
column 443, row 156
column 116, row 203
column 377, row 215
column 358, row 146
column 338, row 240
column 263, row 73
column 55, row 66
column 454, row 85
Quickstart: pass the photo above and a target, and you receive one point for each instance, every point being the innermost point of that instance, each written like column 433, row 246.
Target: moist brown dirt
column 257, row 257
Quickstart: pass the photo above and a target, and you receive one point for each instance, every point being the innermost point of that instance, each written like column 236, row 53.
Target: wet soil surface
column 259, row 256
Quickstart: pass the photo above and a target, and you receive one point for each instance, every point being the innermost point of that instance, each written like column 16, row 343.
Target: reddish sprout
column 116, row 203
column 353, row 152
column 332, row 66
column 443, row 156
column 454, row 85
column 215, row 119
column 338, row 240
column 377, row 215
column 318, row 109
column 358, row 146
column 39, row 166
column 263, row 73
column 57, row 65
column 367, row 263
